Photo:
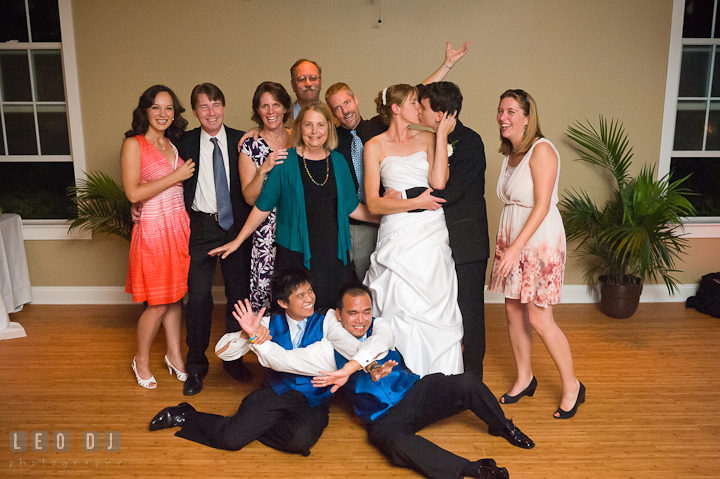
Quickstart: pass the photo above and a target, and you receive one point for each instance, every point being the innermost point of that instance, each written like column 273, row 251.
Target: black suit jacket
column 465, row 211
column 365, row 130
column 189, row 148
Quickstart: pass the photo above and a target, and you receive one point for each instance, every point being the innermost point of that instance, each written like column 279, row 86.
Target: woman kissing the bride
column 412, row 273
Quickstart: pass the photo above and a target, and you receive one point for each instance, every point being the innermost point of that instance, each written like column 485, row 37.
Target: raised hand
column 383, row 370
column 274, row 158
column 452, row 56
column 248, row 321
column 447, row 124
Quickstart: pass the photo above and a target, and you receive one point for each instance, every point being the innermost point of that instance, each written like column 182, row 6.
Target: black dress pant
column 284, row 422
column 205, row 235
column 471, row 299
column 431, row 399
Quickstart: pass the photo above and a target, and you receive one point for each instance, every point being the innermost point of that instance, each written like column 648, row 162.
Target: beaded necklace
column 327, row 168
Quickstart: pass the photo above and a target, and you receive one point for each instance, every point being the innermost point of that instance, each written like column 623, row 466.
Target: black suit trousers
column 205, row 235
column 471, row 299
column 286, row 423
column 431, row 399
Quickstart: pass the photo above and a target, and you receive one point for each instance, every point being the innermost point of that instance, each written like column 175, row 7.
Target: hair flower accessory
column 384, row 96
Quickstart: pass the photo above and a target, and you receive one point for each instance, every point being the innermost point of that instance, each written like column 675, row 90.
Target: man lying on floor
column 398, row 405
column 286, row 413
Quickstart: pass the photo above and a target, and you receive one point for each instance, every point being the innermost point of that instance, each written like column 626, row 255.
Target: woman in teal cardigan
column 315, row 195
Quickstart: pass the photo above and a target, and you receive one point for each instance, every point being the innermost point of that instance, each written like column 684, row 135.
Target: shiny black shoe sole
column 512, row 434
column 170, row 417
column 193, row 385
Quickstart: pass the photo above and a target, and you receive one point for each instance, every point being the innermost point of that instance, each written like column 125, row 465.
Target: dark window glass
column 47, row 68
column 13, row 22
column 689, row 125
column 716, row 74
column 36, row 190
column 2, row 144
column 44, row 20
column 695, row 71
column 15, row 73
column 52, row 123
column 713, row 135
column 20, row 129
column 704, row 181
column 698, row 18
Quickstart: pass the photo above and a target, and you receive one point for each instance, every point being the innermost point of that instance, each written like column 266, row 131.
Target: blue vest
column 373, row 399
column 284, row 382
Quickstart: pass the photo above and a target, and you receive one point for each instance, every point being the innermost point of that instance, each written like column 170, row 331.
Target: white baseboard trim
column 572, row 293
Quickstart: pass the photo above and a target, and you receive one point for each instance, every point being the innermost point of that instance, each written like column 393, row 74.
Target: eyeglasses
column 303, row 79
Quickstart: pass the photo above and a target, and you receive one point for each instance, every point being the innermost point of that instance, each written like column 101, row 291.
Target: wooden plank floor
column 652, row 411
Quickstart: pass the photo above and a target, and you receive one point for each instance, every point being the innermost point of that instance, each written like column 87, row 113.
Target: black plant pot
column 619, row 301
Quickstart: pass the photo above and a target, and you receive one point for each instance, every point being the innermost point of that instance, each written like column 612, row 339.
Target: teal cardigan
column 283, row 190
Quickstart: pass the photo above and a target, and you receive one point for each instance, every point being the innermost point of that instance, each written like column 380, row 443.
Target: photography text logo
column 40, row 441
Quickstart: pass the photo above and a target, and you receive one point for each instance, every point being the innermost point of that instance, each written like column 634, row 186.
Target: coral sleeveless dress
column 538, row 275
column 159, row 256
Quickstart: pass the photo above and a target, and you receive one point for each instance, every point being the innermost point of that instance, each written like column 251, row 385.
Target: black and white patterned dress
column 262, row 259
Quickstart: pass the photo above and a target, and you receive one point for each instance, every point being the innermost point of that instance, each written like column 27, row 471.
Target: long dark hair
column 140, row 122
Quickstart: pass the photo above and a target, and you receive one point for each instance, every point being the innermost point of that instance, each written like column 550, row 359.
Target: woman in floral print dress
column 270, row 105
column 530, row 249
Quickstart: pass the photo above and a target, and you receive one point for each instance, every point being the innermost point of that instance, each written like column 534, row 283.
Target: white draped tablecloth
column 15, row 288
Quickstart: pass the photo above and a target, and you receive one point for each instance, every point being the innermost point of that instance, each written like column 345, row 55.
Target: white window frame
column 707, row 227
column 58, row 229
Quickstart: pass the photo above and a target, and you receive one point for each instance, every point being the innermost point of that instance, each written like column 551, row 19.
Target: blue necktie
column 222, row 192
column 301, row 325
column 356, row 152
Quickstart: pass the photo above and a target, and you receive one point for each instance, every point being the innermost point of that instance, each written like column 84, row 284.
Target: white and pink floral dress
column 538, row 275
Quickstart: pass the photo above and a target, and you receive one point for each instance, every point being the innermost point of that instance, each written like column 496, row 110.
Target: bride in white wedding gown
column 412, row 273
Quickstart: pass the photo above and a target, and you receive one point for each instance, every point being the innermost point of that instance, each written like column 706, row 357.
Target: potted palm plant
column 100, row 206
column 634, row 235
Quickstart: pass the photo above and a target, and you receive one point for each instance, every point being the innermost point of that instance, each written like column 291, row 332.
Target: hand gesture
column 136, row 211
column 447, row 124
column 185, row 171
column 383, row 370
column 274, row 158
column 336, row 379
column 225, row 250
column 452, row 56
column 426, row 201
column 253, row 132
column 248, row 321
column 392, row 194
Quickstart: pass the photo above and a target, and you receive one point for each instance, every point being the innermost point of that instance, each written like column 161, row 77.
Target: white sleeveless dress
column 412, row 276
column 538, row 275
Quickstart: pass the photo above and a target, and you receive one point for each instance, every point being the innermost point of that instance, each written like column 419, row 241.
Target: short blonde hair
column 529, row 108
column 337, row 88
column 296, row 135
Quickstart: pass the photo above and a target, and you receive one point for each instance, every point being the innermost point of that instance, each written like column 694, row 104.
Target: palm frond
column 100, row 206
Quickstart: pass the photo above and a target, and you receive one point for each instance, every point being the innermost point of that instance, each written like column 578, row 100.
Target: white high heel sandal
column 181, row 376
column 146, row 383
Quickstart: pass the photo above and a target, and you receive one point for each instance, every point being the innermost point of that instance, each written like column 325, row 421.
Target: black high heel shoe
column 568, row 414
column 529, row 391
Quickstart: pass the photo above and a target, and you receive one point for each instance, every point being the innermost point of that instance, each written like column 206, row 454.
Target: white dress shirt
column 319, row 356
column 205, row 200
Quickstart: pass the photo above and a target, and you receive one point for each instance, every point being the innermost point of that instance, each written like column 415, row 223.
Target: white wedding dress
column 412, row 276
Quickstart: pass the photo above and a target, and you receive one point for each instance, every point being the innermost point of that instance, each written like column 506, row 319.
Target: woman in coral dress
column 530, row 253
column 153, row 174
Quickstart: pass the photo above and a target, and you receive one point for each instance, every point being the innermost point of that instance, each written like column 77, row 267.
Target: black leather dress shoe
column 493, row 472
column 170, row 417
column 513, row 435
column 238, row 371
column 193, row 385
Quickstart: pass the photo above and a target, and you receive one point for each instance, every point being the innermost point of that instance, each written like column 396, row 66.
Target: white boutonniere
column 451, row 148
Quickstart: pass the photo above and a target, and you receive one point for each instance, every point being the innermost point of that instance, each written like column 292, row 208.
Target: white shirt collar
column 221, row 136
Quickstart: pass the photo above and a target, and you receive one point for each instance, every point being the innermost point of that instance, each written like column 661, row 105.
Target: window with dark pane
column 698, row 18
column 704, row 182
column 47, row 70
column 44, row 20
column 36, row 190
column 15, row 75
column 695, row 71
column 53, row 127
column 690, row 125
column 20, row 130
column 13, row 21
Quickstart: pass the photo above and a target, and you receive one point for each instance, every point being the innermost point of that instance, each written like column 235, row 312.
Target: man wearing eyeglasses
column 306, row 80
